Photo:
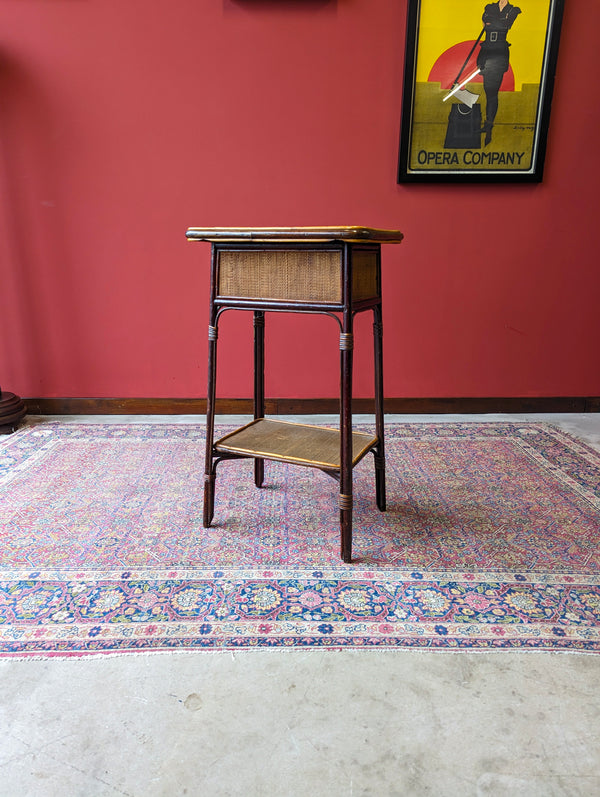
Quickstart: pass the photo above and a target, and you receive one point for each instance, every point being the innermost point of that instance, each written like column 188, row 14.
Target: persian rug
column 490, row 541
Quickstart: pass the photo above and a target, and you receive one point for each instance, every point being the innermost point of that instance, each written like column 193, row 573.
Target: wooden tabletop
column 298, row 234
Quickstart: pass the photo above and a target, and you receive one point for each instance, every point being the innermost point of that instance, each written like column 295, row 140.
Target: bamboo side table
column 334, row 271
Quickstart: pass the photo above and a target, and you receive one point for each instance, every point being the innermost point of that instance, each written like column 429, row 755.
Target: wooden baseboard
column 318, row 406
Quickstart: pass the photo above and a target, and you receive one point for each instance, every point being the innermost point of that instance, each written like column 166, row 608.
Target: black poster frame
column 486, row 162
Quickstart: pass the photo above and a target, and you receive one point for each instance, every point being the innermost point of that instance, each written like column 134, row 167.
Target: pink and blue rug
column 490, row 541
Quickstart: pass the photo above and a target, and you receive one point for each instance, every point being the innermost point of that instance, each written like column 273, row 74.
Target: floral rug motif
column 490, row 541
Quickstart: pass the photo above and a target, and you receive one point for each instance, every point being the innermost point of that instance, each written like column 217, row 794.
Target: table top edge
column 266, row 234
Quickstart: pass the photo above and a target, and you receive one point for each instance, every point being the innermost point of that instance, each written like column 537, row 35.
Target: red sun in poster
column 447, row 67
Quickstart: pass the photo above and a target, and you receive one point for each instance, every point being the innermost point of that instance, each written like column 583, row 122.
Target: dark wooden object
column 335, row 271
column 12, row 411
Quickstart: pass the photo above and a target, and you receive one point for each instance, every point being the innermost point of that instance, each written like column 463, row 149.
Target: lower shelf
column 302, row 444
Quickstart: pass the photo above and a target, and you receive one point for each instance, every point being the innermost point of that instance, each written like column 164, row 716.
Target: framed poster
column 478, row 83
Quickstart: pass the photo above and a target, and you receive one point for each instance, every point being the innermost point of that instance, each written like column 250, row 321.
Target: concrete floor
column 306, row 722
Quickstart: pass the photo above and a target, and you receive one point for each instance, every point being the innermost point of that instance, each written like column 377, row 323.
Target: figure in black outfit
column 493, row 58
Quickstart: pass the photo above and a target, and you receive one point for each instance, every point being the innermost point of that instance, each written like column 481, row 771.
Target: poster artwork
column 478, row 86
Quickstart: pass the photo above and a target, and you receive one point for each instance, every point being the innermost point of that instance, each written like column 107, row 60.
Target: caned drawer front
column 281, row 275
column 295, row 275
column 365, row 281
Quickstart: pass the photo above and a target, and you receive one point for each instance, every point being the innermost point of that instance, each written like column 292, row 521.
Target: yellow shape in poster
column 486, row 127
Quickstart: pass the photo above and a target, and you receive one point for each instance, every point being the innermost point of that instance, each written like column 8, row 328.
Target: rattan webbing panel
column 303, row 444
column 281, row 275
column 364, row 275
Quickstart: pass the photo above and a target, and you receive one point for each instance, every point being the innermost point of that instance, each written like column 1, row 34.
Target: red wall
column 123, row 122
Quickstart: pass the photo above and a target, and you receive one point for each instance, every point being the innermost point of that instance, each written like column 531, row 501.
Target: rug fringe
column 245, row 652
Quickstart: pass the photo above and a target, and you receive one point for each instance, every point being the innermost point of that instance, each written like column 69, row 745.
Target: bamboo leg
column 379, row 450
column 345, row 498
column 209, row 471
column 259, row 385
